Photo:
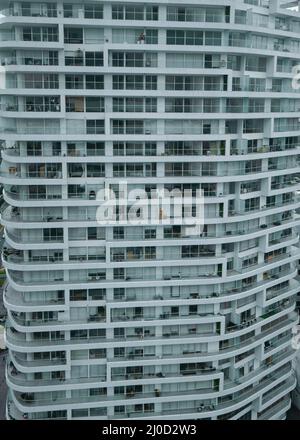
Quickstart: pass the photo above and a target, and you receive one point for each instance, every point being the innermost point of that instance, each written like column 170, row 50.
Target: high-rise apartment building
column 119, row 321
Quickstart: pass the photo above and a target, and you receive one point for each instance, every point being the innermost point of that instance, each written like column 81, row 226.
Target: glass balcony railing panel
column 33, row 196
column 38, row 61
column 55, row 107
column 74, row 60
column 8, row 61
column 47, row 129
column 7, row 36
column 31, row 10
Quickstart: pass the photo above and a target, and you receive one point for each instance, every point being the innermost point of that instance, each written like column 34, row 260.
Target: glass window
column 213, row 38
column 95, row 126
column 152, row 13
column 95, row 148
column 74, row 82
column 94, row 104
column 94, row 82
column 73, row 35
column 117, row 12
column 93, row 11
column 68, row 10
column 181, row 37
column 134, row 12
column 94, row 58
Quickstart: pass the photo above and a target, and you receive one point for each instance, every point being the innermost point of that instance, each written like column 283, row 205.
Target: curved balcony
column 26, row 402
column 239, row 349
column 12, row 412
column 277, row 410
column 215, row 297
column 277, row 360
column 24, row 366
column 14, row 155
column 13, row 217
column 129, row 316
column 16, row 340
column 21, row 384
column 14, row 199
column 15, row 301
column 18, row 283
column 234, row 174
column 232, row 348
column 204, row 411
column 35, row 325
column 17, row 242
column 13, row 259
column 50, row 178
column 47, row 111
column 38, row 200
column 209, row 278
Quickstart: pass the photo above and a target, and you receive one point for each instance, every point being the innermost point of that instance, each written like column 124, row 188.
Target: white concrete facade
column 146, row 322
